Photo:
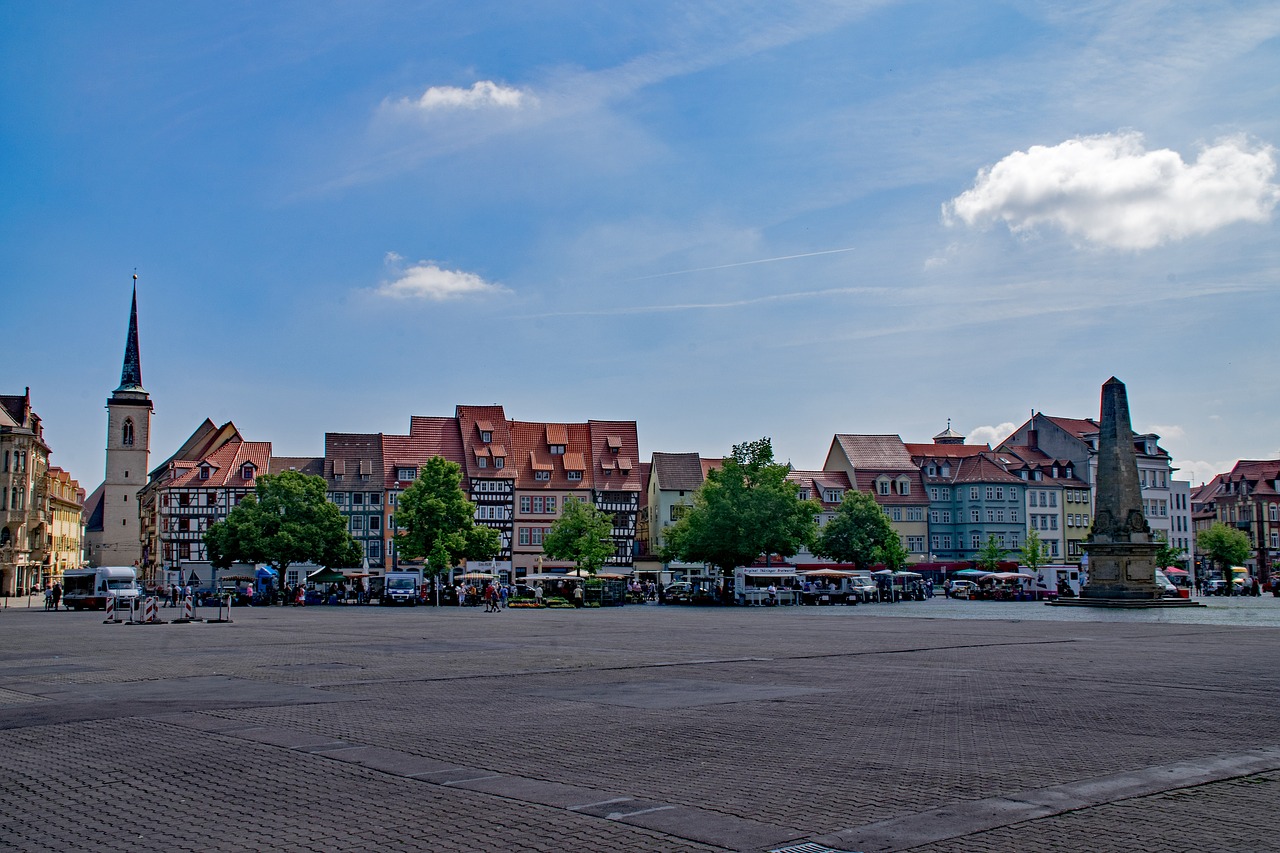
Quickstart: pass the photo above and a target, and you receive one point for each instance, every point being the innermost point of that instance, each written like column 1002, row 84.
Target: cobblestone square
column 929, row 726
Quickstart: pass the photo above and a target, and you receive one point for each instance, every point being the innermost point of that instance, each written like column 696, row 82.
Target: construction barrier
column 188, row 613
column 111, row 619
column 150, row 613
column 220, row 620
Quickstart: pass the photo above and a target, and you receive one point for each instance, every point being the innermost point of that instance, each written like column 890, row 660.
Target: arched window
column 126, row 437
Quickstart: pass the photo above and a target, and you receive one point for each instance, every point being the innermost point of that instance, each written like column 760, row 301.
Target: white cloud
column 426, row 280
column 1199, row 471
column 482, row 94
column 1167, row 431
column 991, row 435
column 1110, row 191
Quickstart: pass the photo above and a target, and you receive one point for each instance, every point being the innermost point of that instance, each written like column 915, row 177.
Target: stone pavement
column 947, row 726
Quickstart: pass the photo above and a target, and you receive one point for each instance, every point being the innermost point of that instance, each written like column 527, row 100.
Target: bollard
column 150, row 613
column 111, row 619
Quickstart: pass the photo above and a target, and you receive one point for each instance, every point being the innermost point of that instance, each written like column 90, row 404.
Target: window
column 551, row 503
column 574, row 475
column 1053, row 546
column 915, row 513
column 486, row 437
column 542, row 475
column 832, row 496
column 973, row 493
column 803, row 494
column 975, row 541
column 882, row 487
column 357, row 523
column 896, row 513
column 991, row 493
column 1053, row 499
column 946, row 516
column 204, row 472
column 915, row 544
column 946, row 493
column 525, row 504
column 932, row 470
column 904, row 486
column 557, row 450
column 357, row 498
column 1053, row 522
column 482, row 462
column 375, row 499
column 934, row 517
column 340, row 498
column 523, row 535
column 1013, row 540
column 1000, row 516
column 946, row 470
column 1000, row 493
column 406, row 474
column 537, row 535
column 933, row 493
column 246, row 472
column 499, row 461
column 991, row 516
column 935, row 542
column 375, row 524
column 1000, row 539
column 537, row 504
column 946, row 541
column 375, row 549
column 126, row 437
column 975, row 515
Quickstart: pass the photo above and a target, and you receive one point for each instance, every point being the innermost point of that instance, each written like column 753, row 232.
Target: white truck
column 401, row 588
column 1055, row 580
column 89, row 589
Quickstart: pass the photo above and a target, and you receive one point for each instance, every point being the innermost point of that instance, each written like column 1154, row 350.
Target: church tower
column 128, row 453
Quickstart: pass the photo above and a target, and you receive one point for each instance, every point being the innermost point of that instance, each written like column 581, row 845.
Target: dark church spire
column 131, row 374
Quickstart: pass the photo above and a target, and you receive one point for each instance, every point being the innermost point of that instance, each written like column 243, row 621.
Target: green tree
column 285, row 520
column 744, row 509
column 893, row 554
column 1166, row 554
column 858, row 533
column 581, row 534
column 1225, row 545
column 435, row 520
column 990, row 555
column 1033, row 554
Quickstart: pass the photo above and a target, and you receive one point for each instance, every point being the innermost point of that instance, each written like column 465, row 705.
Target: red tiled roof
column 619, row 442
column 305, row 464
column 472, row 420
column 878, row 452
column 945, row 451
column 226, row 465
column 1079, row 427
column 533, row 453
column 557, row 434
column 573, row 462
column 428, row 437
column 357, row 457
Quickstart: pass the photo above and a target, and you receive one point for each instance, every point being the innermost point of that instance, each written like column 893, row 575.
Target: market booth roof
column 326, row 576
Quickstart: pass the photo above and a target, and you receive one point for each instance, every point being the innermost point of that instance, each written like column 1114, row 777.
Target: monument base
column 1124, row 603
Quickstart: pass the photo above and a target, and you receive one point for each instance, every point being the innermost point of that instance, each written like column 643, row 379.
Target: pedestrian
column 537, row 595
column 57, row 594
column 48, row 598
column 577, row 595
column 503, row 595
column 773, row 595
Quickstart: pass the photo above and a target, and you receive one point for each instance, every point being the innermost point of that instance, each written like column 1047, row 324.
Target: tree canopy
column 1033, row 552
column 285, row 520
column 859, row 533
column 990, row 555
column 581, row 534
column 1225, row 545
column 1166, row 554
column 435, row 520
column 743, row 509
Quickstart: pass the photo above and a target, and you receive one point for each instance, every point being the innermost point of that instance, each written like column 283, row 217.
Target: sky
column 721, row 220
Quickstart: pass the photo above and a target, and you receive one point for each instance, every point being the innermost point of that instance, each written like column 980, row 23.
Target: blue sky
column 722, row 220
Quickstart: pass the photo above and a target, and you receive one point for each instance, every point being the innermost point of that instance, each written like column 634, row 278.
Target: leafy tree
column 581, row 534
column 1166, row 554
column 1033, row 554
column 435, row 520
column 1225, row 545
column 286, row 520
column 990, row 555
column 744, row 509
column 893, row 554
column 858, row 534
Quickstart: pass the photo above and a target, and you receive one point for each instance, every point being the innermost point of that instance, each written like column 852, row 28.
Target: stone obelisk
column 1120, row 547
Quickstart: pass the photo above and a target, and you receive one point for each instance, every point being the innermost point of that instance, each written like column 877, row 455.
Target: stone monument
column 1120, row 547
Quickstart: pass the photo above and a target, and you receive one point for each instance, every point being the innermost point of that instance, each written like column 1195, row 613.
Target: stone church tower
column 128, row 454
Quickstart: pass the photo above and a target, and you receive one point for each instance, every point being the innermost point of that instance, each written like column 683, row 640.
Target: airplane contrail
column 743, row 263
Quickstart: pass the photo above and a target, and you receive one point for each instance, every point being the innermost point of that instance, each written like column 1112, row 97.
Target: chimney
column 1033, row 439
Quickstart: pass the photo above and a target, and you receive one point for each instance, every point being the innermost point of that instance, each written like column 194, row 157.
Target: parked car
column 862, row 588
column 1167, row 586
column 1215, row 586
column 680, row 592
column 963, row 589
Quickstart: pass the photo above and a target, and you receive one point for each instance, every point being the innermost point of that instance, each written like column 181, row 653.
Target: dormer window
column 405, row 475
column 499, row 461
column 932, row 470
column 946, row 470
column 1068, row 473
column 482, row 462
column 246, row 471
column 204, row 472
column 832, row 496
column 882, row 486
column 803, row 494
column 574, row 475
column 557, row 450
column 486, row 436
column 542, row 475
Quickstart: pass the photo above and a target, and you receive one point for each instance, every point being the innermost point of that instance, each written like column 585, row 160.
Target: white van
column 89, row 589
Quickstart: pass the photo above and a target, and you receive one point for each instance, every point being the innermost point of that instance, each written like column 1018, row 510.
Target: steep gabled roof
column 357, row 458
column 875, row 452
column 532, row 452
column 615, row 452
column 225, row 466
column 818, row 482
column 678, row 472
column 923, row 452
column 1079, row 427
column 303, row 464
column 472, row 420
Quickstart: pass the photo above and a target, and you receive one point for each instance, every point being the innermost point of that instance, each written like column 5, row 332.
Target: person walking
column 57, row 594
column 537, row 595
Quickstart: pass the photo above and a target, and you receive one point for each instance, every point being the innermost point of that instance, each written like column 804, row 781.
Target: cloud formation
column 426, row 280
column 1110, row 191
column 990, row 434
column 483, row 94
